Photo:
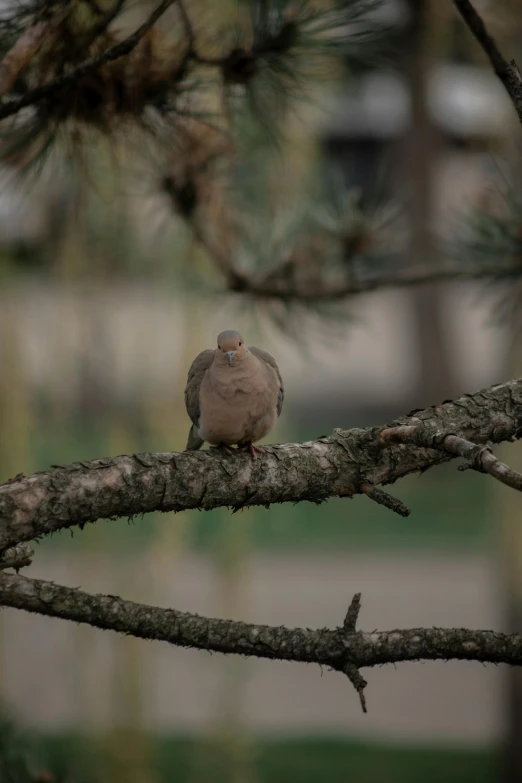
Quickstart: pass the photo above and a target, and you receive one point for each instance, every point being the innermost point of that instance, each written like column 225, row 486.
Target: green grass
column 300, row 760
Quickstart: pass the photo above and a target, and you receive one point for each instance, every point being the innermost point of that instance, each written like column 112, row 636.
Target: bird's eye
column 219, row 347
column 240, row 344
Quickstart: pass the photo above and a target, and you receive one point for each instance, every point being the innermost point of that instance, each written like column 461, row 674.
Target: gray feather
column 265, row 357
column 194, row 442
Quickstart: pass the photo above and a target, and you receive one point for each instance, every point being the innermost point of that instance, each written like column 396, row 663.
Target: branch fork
column 356, row 460
column 478, row 457
column 348, row 667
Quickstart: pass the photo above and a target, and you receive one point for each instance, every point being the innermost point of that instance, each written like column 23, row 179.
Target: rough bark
column 335, row 647
column 336, row 465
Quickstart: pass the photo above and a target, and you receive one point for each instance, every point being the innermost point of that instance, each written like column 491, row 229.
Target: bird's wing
column 265, row 357
column 196, row 374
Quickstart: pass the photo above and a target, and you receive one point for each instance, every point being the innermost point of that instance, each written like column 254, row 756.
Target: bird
column 234, row 394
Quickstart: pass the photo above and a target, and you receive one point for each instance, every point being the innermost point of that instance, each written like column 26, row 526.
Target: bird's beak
column 230, row 356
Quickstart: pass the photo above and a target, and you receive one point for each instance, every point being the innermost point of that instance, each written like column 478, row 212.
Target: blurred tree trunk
column 421, row 147
column 127, row 742
column 506, row 513
column 229, row 745
column 508, row 507
column 16, row 412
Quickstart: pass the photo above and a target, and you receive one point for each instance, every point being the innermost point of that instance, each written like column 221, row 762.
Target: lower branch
column 343, row 649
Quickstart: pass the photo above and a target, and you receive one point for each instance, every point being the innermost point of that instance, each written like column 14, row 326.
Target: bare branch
column 278, row 284
column 332, row 466
column 342, row 650
column 384, row 499
column 508, row 73
column 358, row 682
column 113, row 53
column 352, row 615
column 479, row 458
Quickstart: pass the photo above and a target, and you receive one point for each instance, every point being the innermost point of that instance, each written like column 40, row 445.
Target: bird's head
column 231, row 347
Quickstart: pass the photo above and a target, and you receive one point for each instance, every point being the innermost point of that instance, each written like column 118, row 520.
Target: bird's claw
column 252, row 450
column 225, row 448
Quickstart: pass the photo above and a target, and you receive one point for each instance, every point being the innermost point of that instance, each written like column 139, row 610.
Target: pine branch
column 21, row 53
column 342, row 464
column 54, row 86
column 328, row 265
column 508, row 73
column 343, row 649
column 280, row 285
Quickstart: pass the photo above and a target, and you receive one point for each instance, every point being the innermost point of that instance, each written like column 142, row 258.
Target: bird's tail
column 194, row 442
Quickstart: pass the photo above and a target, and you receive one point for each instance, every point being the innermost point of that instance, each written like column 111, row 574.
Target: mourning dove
column 233, row 395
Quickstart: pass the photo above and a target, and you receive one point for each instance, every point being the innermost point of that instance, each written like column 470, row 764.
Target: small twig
column 341, row 651
column 17, row 557
column 507, row 72
column 349, row 668
column 384, row 499
column 400, row 434
column 481, row 458
column 113, row 53
column 477, row 457
column 358, row 682
column 350, row 621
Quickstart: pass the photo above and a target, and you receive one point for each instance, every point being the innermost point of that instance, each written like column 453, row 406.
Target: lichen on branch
column 343, row 649
column 342, row 464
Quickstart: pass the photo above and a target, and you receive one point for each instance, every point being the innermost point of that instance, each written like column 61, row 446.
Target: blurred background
column 106, row 297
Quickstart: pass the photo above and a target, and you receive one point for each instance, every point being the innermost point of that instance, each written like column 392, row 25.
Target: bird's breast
column 237, row 406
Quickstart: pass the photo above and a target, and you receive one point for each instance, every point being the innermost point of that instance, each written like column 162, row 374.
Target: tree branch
column 20, row 54
column 343, row 649
column 283, row 283
column 384, row 499
column 333, row 466
column 479, row 458
column 7, row 108
column 508, row 73
column 277, row 287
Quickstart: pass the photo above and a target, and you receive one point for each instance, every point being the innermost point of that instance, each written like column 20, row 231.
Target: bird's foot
column 252, row 450
column 225, row 448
